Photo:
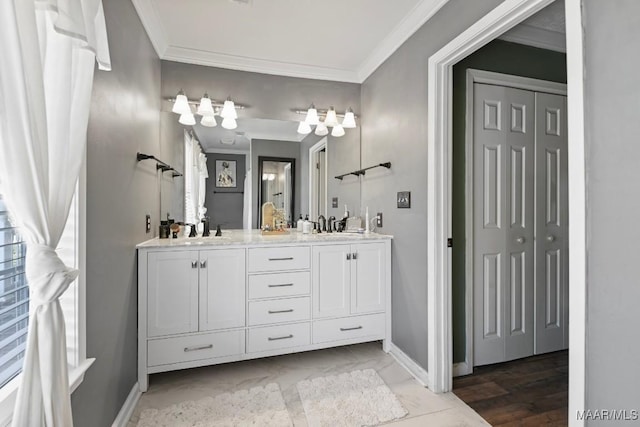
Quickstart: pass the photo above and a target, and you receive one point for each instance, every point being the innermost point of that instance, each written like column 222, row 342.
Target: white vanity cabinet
column 207, row 301
column 349, row 280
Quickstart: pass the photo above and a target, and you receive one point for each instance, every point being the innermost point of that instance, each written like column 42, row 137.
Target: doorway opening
column 318, row 179
column 439, row 192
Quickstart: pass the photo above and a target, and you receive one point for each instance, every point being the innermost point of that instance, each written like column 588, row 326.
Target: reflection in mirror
column 277, row 186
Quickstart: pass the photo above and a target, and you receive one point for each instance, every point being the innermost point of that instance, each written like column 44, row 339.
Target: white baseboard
column 462, row 368
column 418, row 372
column 128, row 407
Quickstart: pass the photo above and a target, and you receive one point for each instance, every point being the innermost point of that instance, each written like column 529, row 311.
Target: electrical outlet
column 334, row 202
column 379, row 220
column 148, row 223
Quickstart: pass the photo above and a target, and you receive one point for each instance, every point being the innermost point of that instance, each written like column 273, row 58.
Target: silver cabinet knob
column 194, row 264
column 550, row 238
column 520, row 240
column 203, row 264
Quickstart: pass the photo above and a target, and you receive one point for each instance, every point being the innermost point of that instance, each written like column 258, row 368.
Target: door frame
column 313, row 151
column 439, row 146
column 499, row 79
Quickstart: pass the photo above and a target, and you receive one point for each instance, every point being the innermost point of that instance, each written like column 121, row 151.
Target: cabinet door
column 172, row 300
column 222, row 289
column 331, row 280
column 368, row 276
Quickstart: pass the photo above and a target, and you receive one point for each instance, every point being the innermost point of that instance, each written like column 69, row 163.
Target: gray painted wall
column 394, row 128
column 225, row 207
column 267, row 148
column 501, row 57
column 124, row 119
column 612, row 108
column 268, row 97
column 309, row 141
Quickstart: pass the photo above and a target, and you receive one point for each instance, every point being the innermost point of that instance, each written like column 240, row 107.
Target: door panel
column 331, row 281
column 367, row 278
column 222, row 289
column 503, row 223
column 552, row 273
column 173, row 293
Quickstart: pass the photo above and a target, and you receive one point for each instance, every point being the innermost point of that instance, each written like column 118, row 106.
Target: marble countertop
column 253, row 237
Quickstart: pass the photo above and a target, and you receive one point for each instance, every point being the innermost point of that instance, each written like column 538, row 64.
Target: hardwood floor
column 525, row 392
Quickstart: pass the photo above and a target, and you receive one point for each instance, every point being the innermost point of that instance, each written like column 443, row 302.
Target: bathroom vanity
column 205, row 301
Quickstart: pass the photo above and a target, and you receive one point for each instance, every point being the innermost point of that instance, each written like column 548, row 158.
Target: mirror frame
column 261, row 160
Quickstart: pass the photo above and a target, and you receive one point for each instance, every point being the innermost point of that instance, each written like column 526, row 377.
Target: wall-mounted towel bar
column 363, row 171
column 159, row 164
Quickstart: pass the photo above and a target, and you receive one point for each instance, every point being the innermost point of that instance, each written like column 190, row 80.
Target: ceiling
column 218, row 138
column 328, row 39
column 545, row 29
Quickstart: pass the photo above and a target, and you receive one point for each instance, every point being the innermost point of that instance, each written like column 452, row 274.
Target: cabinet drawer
column 279, row 285
column 277, row 259
column 276, row 337
column 346, row 328
column 279, row 310
column 195, row 347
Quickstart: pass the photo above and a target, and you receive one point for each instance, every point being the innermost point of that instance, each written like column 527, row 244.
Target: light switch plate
column 404, row 199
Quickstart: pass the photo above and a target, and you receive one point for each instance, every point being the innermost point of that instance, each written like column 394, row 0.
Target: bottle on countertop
column 299, row 224
column 306, row 225
column 346, row 212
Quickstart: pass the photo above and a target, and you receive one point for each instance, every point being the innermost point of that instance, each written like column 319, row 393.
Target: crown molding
column 152, row 24
column 415, row 19
column 536, row 37
column 234, row 62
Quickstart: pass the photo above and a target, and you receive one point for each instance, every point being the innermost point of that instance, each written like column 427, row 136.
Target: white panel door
column 331, row 280
column 222, row 289
column 172, row 286
column 503, row 223
column 368, row 275
column 552, row 272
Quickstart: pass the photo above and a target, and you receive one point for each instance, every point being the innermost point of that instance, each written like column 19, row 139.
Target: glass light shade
column 205, row 108
column 181, row 104
column 312, row 116
column 229, row 110
column 304, row 128
column 331, row 119
column 208, row 121
column 337, row 131
column 187, row 119
column 229, row 123
column 321, row 129
column 349, row 121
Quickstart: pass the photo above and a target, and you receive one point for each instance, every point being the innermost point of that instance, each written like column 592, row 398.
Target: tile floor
column 424, row 407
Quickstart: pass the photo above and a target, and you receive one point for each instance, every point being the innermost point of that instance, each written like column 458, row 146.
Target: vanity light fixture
column 181, row 104
column 206, row 108
column 208, row 121
column 337, row 131
column 313, row 117
column 321, row 129
column 228, row 110
column 229, row 123
column 349, row 121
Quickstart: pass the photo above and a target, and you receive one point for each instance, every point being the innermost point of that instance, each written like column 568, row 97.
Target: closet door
column 552, row 270
column 503, row 138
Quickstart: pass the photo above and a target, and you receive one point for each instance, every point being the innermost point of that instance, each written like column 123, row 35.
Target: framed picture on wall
column 226, row 174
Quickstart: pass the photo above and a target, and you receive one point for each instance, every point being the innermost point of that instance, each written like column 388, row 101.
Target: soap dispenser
column 299, row 224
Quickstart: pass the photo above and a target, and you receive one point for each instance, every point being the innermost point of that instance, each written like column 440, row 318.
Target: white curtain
column 203, row 174
column 47, row 55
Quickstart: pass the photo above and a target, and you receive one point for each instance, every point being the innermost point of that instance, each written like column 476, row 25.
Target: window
column 14, row 299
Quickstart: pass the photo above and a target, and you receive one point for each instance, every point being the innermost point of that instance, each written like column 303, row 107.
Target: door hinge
column 449, row 242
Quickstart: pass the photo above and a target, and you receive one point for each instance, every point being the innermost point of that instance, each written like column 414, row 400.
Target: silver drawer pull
column 281, row 311
column 350, row 329
column 281, row 285
column 281, row 259
column 204, row 347
column 280, row 338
